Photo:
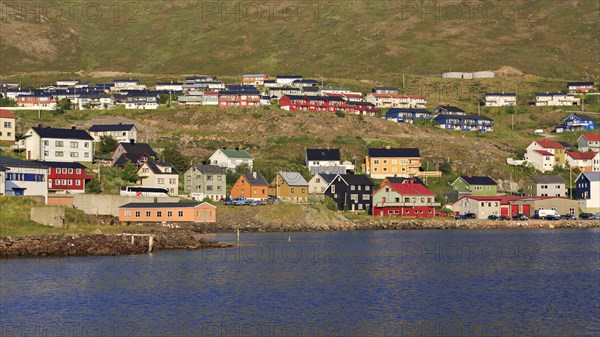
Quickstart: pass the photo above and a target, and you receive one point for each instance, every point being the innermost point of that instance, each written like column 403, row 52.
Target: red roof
column 594, row 137
column 543, row 152
column 582, row 155
column 548, row 144
column 6, row 114
column 409, row 187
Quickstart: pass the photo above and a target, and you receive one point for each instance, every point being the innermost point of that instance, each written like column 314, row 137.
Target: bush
column 329, row 204
column 340, row 114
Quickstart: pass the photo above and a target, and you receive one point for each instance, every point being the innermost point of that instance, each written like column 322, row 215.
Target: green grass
column 345, row 40
column 14, row 220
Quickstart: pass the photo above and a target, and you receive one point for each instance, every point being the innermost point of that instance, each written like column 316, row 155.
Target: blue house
column 465, row 123
column 578, row 122
column 407, row 115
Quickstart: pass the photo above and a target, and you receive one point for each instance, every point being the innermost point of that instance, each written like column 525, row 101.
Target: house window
column 148, row 214
column 74, row 145
column 367, row 188
column 375, row 169
column 376, row 162
column 58, row 143
column 59, row 154
column 180, row 214
column 172, row 181
column 137, row 214
column 86, row 155
column 332, row 188
column 159, row 214
column 127, row 214
column 64, row 170
column 78, row 171
column 57, row 171
column 161, row 180
column 385, row 161
column 169, row 214
column 209, row 188
column 77, row 182
column 352, row 187
column 219, row 178
column 70, row 181
column 86, row 144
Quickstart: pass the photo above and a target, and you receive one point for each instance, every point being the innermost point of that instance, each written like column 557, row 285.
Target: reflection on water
column 400, row 283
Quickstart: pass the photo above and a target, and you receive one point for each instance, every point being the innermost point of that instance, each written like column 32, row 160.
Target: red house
column 408, row 199
column 67, row 178
column 330, row 103
column 37, row 101
column 239, row 96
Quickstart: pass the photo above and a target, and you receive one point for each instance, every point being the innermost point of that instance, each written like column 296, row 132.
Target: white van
column 548, row 214
column 538, row 131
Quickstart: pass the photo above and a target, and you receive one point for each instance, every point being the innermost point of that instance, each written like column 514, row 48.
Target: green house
column 476, row 186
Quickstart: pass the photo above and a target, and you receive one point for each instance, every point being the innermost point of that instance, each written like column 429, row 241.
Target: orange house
column 168, row 212
column 250, row 186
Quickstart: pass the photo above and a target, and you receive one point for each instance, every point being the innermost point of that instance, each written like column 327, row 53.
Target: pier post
column 150, row 242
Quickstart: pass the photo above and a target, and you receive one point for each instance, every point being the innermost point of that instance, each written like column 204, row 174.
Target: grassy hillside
column 354, row 39
column 277, row 138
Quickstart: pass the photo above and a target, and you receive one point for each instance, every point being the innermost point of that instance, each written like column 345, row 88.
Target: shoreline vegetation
column 191, row 236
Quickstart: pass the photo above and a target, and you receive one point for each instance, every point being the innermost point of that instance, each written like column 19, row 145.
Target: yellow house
column 289, row 186
column 388, row 162
column 8, row 123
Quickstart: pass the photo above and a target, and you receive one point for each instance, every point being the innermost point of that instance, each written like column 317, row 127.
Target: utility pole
column 403, row 84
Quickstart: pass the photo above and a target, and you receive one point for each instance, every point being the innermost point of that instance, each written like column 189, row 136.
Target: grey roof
column 475, row 180
column 394, row 152
column 62, row 164
column 322, row 154
column 328, row 169
column 8, row 162
column 548, row 179
column 215, row 169
column 112, row 127
column 356, row 179
column 49, row 132
column 293, row 178
column 154, row 166
column 137, row 149
column 592, row 176
column 258, row 181
column 327, row 177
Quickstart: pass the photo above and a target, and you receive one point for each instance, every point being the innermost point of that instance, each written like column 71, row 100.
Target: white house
column 541, row 160
column 287, row 80
column 8, row 123
column 587, row 191
column 141, row 102
column 159, row 174
column 169, row 86
column 556, row 99
column 22, row 177
column 500, row 99
column 63, row 145
column 124, row 85
column 322, row 157
column 589, row 142
column 396, row 101
column 319, row 183
column 584, row 161
column 230, row 159
column 120, row 132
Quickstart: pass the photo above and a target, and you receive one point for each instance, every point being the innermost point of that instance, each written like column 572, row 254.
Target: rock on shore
column 98, row 244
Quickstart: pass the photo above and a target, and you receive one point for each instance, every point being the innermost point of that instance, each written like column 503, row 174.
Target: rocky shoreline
column 187, row 236
column 99, row 244
column 252, row 226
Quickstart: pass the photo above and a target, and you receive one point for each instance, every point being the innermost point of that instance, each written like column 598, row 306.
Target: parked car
column 255, row 203
column 586, row 216
column 272, row 200
column 552, row 217
column 228, row 201
column 568, row 216
column 597, row 216
column 497, row 217
column 520, row 217
column 239, row 201
column 503, row 217
column 471, row 215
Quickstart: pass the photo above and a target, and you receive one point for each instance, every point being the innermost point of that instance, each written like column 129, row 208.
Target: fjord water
column 374, row 283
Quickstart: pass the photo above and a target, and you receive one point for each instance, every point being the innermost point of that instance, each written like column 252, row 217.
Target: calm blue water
column 396, row 283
